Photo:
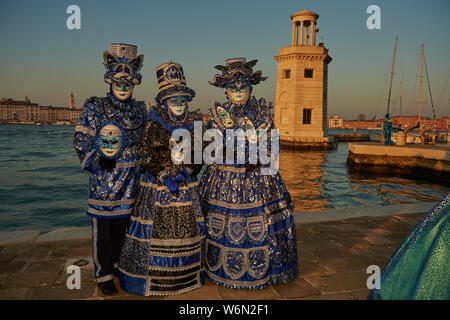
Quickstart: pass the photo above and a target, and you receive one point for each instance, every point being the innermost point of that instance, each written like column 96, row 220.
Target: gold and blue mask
column 110, row 140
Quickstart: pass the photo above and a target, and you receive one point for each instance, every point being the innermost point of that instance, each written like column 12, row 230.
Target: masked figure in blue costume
column 163, row 249
column 419, row 269
column 251, row 241
column 105, row 140
column 387, row 130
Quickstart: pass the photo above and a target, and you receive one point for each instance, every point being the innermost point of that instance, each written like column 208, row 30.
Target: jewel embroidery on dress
column 234, row 263
column 236, row 229
column 213, row 256
column 253, row 134
column 130, row 116
column 216, row 225
column 256, row 228
column 224, row 117
column 258, row 262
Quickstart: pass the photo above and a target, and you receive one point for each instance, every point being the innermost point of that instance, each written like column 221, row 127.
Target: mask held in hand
column 110, row 140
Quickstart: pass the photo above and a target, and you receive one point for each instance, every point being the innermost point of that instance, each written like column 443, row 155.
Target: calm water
column 42, row 186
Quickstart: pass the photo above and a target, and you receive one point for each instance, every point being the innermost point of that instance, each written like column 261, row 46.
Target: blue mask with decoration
column 110, row 140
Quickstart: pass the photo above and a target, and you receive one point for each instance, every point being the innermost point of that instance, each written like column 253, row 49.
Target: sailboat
column 400, row 135
column 379, row 136
column 419, row 137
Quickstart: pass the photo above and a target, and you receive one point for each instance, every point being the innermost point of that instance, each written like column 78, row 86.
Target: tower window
column 307, row 116
column 308, row 73
column 286, row 74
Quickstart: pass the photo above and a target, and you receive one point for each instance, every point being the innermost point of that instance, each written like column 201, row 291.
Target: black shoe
column 108, row 288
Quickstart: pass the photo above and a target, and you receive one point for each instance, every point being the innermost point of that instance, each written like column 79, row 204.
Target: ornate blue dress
column 251, row 241
column 164, row 244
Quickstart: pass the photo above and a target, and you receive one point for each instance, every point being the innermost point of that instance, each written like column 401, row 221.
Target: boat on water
column 413, row 137
column 416, row 134
column 375, row 136
column 62, row 123
column 409, row 156
column 396, row 137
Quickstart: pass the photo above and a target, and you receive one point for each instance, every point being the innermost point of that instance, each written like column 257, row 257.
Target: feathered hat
column 237, row 70
column 123, row 64
column 172, row 82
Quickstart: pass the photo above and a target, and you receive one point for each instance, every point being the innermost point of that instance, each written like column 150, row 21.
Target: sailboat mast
column 421, row 76
column 400, row 98
column 392, row 74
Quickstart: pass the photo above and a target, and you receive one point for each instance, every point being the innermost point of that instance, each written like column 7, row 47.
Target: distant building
column 366, row 124
column 19, row 111
column 51, row 114
column 445, row 120
column 58, row 114
column 441, row 123
column 335, row 122
column 74, row 115
column 15, row 111
column 44, row 114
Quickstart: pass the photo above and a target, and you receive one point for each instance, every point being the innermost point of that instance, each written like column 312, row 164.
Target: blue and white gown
column 164, row 244
column 251, row 241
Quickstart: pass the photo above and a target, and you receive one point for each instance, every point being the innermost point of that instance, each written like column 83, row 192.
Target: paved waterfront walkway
column 333, row 258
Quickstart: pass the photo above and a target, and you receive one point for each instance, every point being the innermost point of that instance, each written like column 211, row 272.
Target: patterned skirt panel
column 251, row 241
column 164, row 244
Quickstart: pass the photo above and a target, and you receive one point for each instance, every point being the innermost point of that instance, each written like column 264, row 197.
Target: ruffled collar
column 159, row 114
column 129, row 114
column 257, row 111
column 120, row 104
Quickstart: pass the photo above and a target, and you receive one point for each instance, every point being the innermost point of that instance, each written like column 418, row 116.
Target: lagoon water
column 42, row 186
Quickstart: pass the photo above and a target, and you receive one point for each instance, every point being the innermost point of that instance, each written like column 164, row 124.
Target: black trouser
column 107, row 240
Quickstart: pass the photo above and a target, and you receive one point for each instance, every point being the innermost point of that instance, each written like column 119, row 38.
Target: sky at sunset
column 44, row 60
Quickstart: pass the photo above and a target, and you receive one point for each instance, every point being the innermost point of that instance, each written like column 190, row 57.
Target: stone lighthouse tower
column 301, row 90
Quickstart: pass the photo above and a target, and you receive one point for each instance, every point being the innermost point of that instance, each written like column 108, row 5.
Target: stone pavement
column 333, row 258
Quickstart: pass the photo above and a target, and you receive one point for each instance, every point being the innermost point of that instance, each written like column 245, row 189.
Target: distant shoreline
column 58, row 123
